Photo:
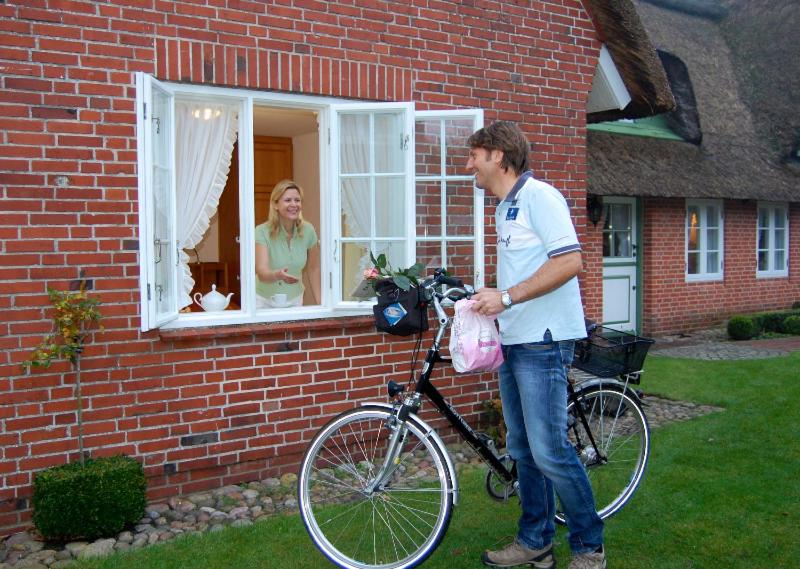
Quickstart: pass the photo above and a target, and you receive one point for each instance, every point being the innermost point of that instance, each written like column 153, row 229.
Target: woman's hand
column 283, row 275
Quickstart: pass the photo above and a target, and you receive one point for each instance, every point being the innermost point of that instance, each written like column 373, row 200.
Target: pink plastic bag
column 474, row 340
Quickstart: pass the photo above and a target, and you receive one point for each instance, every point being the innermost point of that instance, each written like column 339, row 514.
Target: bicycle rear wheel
column 395, row 527
column 619, row 427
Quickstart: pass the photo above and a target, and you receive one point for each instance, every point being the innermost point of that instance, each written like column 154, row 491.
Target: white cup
column 279, row 299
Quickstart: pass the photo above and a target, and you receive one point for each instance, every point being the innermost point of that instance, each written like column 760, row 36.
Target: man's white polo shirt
column 533, row 224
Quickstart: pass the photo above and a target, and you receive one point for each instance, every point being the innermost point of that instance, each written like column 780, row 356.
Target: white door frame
column 620, row 270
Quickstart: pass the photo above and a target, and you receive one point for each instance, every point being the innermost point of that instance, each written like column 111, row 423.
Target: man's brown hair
column 505, row 136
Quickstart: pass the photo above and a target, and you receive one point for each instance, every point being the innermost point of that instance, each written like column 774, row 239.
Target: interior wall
column 305, row 153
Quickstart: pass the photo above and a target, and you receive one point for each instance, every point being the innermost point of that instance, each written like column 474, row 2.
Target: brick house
column 141, row 142
column 702, row 205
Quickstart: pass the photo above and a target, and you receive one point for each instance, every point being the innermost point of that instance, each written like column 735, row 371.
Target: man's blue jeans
column 533, row 389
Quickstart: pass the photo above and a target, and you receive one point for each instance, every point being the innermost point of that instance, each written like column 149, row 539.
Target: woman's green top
column 283, row 252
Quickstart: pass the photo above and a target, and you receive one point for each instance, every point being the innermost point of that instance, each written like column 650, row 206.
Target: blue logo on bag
column 394, row 313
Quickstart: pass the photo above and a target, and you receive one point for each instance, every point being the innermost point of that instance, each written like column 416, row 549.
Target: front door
column 620, row 249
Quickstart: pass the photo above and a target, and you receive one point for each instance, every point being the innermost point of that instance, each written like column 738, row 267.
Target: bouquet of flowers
column 382, row 269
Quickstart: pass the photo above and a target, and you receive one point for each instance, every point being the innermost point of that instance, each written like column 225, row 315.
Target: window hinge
column 149, row 296
column 329, row 137
column 144, row 111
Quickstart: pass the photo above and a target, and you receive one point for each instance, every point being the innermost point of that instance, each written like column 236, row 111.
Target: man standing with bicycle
column 538, row 306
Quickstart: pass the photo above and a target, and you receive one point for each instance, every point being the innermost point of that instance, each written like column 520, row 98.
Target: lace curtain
column 204, row 138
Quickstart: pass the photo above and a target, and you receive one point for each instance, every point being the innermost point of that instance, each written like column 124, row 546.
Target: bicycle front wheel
column 395, row 526
column 620, row 430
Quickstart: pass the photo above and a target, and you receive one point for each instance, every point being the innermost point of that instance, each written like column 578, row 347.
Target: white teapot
column 213, row 301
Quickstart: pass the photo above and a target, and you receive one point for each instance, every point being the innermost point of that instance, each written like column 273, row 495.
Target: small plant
column 382, row 269
column 742, row 328
column 91, row 500
column 495, row 425
column 791, row 325
column 75, row 313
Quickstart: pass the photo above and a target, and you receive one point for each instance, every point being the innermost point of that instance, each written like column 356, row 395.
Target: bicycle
column 377, row 487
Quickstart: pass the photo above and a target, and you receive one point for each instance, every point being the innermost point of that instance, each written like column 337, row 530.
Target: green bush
column 96, row 499
column 791, row 325
column 773, row 321
column 742, row 328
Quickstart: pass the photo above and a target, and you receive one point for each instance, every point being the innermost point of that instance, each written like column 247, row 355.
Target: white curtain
column 354, row 148
column 204, row 137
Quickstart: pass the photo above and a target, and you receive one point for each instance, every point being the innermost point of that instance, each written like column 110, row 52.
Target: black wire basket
column 609, row 353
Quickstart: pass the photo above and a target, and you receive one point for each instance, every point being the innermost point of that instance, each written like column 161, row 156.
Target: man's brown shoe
column 518, row 554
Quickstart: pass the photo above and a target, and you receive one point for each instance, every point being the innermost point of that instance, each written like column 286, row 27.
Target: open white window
column 704, row 240
column 449, row 207
column 772, row 240
column 158, row 242
column 210, row 159
column 373, row 175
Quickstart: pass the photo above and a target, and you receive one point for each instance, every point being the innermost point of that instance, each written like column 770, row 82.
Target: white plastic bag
column 474, row 340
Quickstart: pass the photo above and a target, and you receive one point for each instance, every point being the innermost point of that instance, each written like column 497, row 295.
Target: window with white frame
column 772, row 240
column 209, row 159
column 704, row 240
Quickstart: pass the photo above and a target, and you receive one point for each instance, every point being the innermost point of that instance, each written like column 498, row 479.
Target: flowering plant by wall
column 382, row 269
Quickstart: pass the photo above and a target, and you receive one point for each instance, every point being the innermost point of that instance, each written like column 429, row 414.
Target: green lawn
column 721, row 490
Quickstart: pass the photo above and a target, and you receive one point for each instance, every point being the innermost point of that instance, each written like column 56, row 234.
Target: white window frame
column 775, row 209
column 703, row 226
column 476, row 115
column 330, row 226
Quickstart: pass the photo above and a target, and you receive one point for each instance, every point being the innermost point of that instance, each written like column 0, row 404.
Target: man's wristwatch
column 505, row 298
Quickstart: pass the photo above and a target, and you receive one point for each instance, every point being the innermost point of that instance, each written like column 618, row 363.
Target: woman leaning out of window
column 286, row 251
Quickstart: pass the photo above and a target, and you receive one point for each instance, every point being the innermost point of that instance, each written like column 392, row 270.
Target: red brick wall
column 672, row 305
column 69, row 210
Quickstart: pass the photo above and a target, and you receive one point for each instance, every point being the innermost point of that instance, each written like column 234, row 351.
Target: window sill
column 265, row 328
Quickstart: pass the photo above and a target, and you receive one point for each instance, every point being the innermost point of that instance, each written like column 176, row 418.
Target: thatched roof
column 619, row 28
column 763, row 38
column 729, row 160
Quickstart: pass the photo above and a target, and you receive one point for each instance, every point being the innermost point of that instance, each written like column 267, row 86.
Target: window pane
column 429, row 209
column 763, row 217
column 460, row 210
column 693, row 226
column 780, row 217
column 608, row 238
column 428, row 148
column 622, row 244
column 621, row 216
column 763, row 239
column 712, row 216
column 713, row 239
column 388, row 143
column 780, row 238
column 763, row 261
column 712, row 263
column 693, row 263
column 429, row 253
column 355, row 259
column 354, row 143
column 457, row 131
column 460, row 260
column 356, row 212
column 389, row 207
column 780, row 260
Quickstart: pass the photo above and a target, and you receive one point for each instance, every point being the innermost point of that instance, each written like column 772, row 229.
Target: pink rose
column 371, row 274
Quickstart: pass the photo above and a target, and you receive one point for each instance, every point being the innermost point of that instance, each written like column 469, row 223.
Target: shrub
column 91, row 500
column 742, row 328
column 791, row 325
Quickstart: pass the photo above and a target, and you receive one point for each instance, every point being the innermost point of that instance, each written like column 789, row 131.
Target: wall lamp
column 594, row 208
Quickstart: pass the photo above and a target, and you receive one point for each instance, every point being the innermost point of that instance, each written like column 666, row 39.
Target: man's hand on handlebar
column 488, row 302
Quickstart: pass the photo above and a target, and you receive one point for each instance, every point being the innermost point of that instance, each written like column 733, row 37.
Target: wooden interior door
column 272, row 163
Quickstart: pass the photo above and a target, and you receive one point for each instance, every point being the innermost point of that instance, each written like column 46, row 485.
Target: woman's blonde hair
column 273, row 221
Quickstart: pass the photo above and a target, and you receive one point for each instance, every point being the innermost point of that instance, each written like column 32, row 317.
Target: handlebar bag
column 399, row 312
column 474, row 340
